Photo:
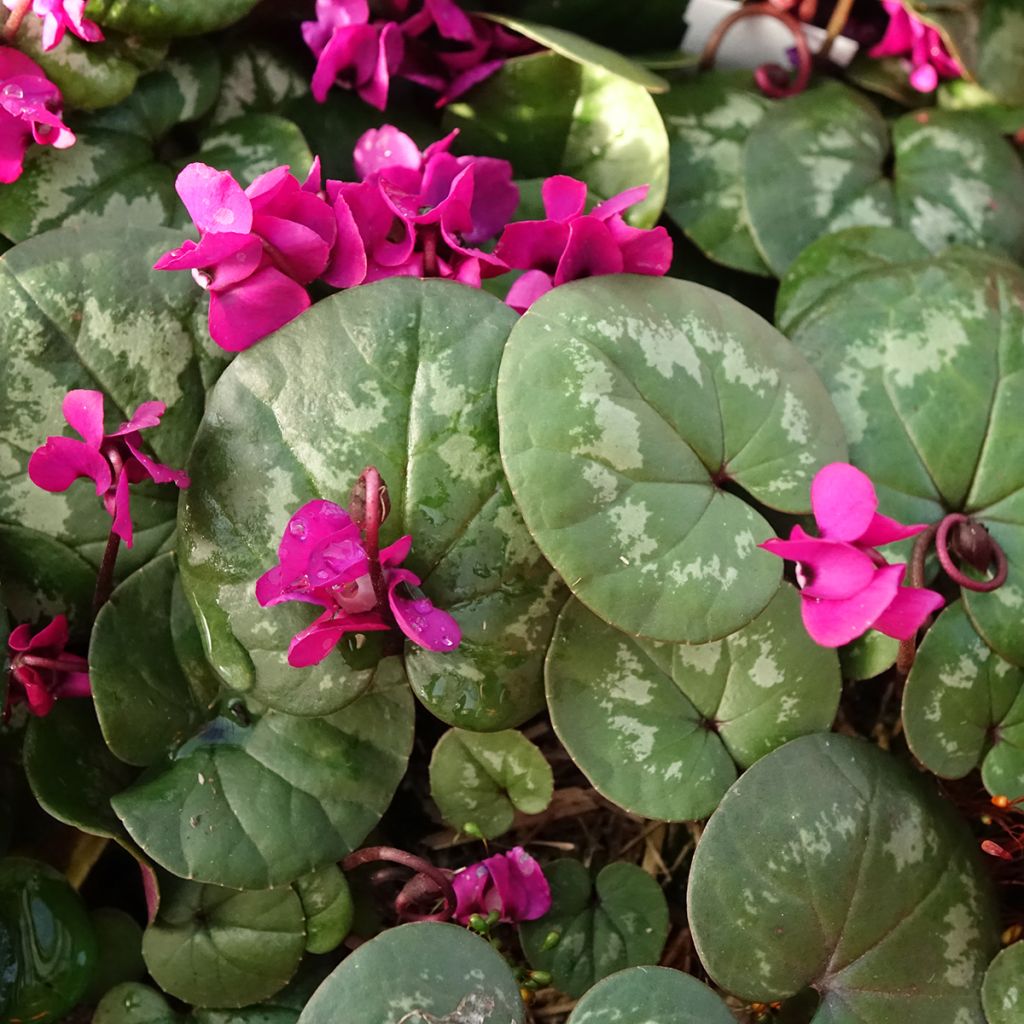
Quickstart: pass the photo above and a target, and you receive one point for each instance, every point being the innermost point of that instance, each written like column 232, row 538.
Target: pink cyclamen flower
column 425, row 213
column 111, row 460
column 41, row 673
column 30, row 109
column 322, row 560
column 846, row 586
column 512, row 884
column 908, row 36
column 257, row 248
column 351, row 52
column 60, row 16
column 572, row 244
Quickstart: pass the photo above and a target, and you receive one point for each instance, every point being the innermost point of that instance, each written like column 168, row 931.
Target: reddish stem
column 374, row 516
column 372, row 854
column 73, row 664
column 14, row 20
column 105, row 579
column 430, row 251
column 951, row 570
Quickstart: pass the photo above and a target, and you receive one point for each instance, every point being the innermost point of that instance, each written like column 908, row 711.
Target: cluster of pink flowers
column 846, row 585
column 922, row 46
column 431, row 42
column 324, row 560
column 31, row 106
column 412, row 213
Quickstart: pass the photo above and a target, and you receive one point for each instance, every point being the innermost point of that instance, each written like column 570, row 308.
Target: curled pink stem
column 425, row 873
column 951, row 570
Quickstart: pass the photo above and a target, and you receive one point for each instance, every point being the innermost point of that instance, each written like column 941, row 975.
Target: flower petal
column 835, row 570
column 590, row 252
column 907, row 611
column 214, row 200
column 242, row 315
column 834, row 623
column 316, row 641
column 883, row 530
column 528, row 289
column 384, row 147
column 564, row 197
column 156, row 471
column 425, row 625
column 843, row 500
column 57, row 464
column 122, row 511
column 83, row 410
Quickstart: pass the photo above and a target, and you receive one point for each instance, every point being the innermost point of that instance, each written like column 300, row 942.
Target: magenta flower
column 571, row 244
column 351, row 52
column 425, row 213
column 323, row 560
column 257, row 248
column 846, row 586
column 112, row 461
column 30, row 108
column 907, row 36
column 59, row 16
column 511, row 883
column 41, row 673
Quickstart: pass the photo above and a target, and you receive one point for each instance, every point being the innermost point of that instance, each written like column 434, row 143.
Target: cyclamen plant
column 687, row 508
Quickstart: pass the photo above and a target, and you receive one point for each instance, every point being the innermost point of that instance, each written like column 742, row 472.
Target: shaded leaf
column 1002, row 992
column 327, row 906
column 169, row 17
column 251, row 145
column 119, row 945
column 133, row 1003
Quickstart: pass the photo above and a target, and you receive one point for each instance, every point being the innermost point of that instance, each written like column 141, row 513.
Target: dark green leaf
column 1003, row 991
column 1001, row 62
column 484, row 778
column 253, row 144
column 661, row 729
column 262, row 805
column 259, row 79
column 132, row 1003
column 165, row 18
column 119, row 945
column 441, row 970
column 549, row 115
column 215, row 947
column 624, row 403
column 654, row 995
column 831, row 864
column 618, row 919
column 327, row 906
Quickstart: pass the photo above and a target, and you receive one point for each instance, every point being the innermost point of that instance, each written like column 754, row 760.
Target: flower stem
column 836, row 24
column 430, row 251
column 439, row 878
column 105, row 579
column 908, row 648
column 373, row 517
column 14, row 20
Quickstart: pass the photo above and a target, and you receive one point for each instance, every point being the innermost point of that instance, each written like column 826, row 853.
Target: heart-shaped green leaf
column 862, row 882
column 83, row 309
column 326, row 780
column 625, row 404
column 132, row 1003
column 618, row 919
column 251, row 145
column 42, row 578
column 923, row 363
column 827, row 265
column 447, row 973
column 660, row 729
column 654, row 995
column 708, row 120
column 327, row 906
column 484, row 778
column 72, row 773
column 215, row 947
column 400, row 374
column 119, row 951
column 549, row 115
column 1003, row 990
column 584, row 51
column 956, row 179
column 47, row 943
column 963, row 706
column 144, row 700
column 169, row 18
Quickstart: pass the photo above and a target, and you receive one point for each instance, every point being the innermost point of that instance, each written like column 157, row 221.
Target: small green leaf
column 327, row 905
column 72, row 773
column 441, row 970
column 1003, row 990
column 654, row 995
column 132, row 1003
column 624, row 403
column 169, row 18
column 484, row 778
column 119, row 945
column 963, row 706
column 216, row 947
column 618, row 919
column 144, row 702
column 708, row 120
column 323, row 783
column 549, row 115
column 660, row 729
column 868, row 656
column 47, row 943
column 831, row 864
column 583, row 51
column 253, row 144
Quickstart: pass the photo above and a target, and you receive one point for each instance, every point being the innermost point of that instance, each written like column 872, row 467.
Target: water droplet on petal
column 422, row 605
column 447, row 642
column 12, row 91
column 224, row 216
column 297, row 528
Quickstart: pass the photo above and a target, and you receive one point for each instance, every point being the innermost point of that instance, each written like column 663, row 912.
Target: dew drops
column 447, row 641
column 224, row 217
column 422, row 606
column 12, row 91
column 297, row 528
